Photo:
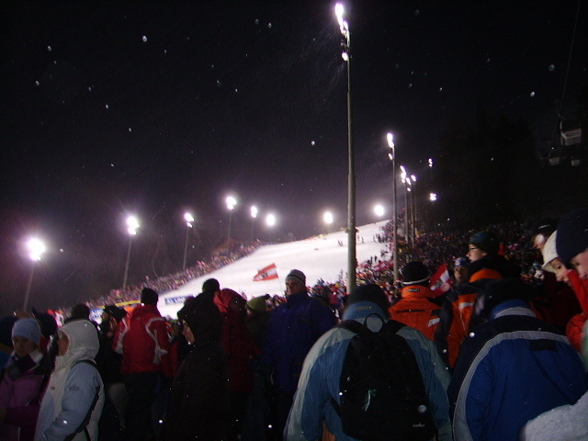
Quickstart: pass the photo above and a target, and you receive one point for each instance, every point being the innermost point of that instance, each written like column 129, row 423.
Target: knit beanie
column 461, row 261
column 549, row 252
column 369, row 293
column 297, row 274
column 486, row 241
column 572, row 235
column 414, row 273
column 118, row 313
column 28, row 328
column 257, row 304
column 149, row 296
column 545, row 226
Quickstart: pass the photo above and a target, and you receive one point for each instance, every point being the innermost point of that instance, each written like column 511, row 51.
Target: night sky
column 116, row 108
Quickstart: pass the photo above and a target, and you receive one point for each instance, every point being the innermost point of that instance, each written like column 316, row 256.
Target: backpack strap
column 84, row 425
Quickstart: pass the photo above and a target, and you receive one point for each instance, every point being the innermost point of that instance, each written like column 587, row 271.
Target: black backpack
column 383, row 395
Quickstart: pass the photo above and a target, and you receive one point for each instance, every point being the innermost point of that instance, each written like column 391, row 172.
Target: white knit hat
column 549, row 252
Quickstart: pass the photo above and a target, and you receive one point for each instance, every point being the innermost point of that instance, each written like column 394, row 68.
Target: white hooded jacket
column 72, row 388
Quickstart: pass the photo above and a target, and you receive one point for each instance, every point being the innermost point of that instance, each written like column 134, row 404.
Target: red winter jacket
column 143, row 341
column 576, row 323
column 239, row 345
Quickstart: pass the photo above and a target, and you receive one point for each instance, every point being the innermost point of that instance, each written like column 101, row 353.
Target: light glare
column 270, row 220
column 132, row 225
column 231, row 202
column 36, row 248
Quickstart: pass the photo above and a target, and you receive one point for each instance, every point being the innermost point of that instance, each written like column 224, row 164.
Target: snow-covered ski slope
column 321, row 257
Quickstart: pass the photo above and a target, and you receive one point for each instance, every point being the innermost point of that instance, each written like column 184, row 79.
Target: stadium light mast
column 254, row 212
column 270, row 221
column 132, row 227
column 189, row 222
column 405, row 179
column 392, row 156
column 351, row 228
column 36, row 248
column 328, row 218
column 231, row 202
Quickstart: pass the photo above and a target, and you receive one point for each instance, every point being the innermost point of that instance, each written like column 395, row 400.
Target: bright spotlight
column 231, row 202
column 36, row 249
column 132, row 225
column 189, row 219
column 270, row 220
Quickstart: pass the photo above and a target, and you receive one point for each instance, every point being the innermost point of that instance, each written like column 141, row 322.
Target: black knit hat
column 486, row 241
column 545, row 226
column 415, row 272
column 369, row 293
column 149, row 296
column 116, row 312
column 572, row 235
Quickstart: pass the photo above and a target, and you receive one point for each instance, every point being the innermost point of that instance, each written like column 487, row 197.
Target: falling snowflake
column 144, row 38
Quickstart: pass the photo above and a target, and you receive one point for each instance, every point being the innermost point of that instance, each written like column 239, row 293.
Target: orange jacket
column 417, row 309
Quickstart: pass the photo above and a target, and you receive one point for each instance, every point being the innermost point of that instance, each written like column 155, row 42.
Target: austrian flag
column 268, row 273
column 440, row 281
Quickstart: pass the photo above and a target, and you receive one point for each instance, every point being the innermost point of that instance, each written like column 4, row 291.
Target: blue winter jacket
column 510, row 370
column 292, row 330
column 320, row 379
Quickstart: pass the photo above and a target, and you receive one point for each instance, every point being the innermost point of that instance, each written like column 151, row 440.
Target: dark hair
column 81, row 311
column 210, row 285
column 149, row 296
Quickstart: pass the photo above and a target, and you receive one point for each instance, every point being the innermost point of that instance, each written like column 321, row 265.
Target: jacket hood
column 141, row 310
column 223, row 299
column 363, row 309
column 83, row 343
column 204, row 319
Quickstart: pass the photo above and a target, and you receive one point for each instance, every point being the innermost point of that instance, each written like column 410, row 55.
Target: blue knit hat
column 28, row 328
column 572, row 235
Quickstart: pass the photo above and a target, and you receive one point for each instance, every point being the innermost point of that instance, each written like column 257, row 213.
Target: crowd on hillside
column 497, row 341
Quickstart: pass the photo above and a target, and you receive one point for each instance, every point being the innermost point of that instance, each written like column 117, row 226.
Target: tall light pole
column 36, row 248
column 189, row 220
column 270, row 221
column 351, row 245
column 328, row 218
column 392, row 156
column 231, row 202
column 253, row 216
column 132, row 227
column 414, row 207
column 403, row 176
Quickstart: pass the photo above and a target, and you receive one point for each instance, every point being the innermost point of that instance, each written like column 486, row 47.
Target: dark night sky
column 153, row 109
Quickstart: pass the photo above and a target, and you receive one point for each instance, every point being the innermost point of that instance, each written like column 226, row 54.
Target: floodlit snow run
column 320, row 257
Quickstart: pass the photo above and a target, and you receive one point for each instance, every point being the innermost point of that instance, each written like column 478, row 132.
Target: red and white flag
column 439, row 283
column 268, row 273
